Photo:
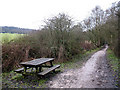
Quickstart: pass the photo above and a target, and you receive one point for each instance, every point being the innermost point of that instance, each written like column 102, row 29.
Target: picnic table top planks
column 38, row 61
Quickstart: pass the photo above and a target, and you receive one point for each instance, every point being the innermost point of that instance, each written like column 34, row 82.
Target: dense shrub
column 42, row 44
column 12, row 55
column 58, row 39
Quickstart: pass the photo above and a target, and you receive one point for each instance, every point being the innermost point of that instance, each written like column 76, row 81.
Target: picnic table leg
column 25, row 68
column 40, row 68
column 51, row 63
column 36, row 69
column 31, row 69
column 24, row 73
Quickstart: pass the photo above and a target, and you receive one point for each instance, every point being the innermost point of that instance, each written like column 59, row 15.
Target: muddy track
column 96, row 73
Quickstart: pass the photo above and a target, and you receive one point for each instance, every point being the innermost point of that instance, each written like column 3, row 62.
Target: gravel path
column 96, row 73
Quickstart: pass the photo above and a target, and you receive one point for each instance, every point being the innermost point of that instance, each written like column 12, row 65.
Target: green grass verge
column 16, row 80
column 114, row 61
column 7, row 37
column 115, row 64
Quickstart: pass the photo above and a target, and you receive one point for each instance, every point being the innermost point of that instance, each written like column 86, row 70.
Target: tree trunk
column 26, row 54
column 60, row 53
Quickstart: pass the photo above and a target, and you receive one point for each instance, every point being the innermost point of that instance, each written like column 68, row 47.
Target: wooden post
column 51, row 63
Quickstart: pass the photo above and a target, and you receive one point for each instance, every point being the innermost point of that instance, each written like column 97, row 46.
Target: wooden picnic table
column 38, row 64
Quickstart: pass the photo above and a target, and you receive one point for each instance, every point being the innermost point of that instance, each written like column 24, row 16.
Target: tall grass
column 7, row 37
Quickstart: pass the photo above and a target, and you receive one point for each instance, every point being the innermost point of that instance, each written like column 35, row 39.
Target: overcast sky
column 32, row 13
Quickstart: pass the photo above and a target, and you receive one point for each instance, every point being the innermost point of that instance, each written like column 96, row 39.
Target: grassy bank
column 113, row 60
column 14, row 80
column 7, row 37
column 115, row 64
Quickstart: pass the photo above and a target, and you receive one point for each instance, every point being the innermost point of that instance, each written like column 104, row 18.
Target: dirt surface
column 95, row 73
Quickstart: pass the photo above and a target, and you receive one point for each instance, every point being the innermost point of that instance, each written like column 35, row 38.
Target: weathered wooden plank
column 49, row 70
column 36, row 62
column 46, row 66
column 19, row 70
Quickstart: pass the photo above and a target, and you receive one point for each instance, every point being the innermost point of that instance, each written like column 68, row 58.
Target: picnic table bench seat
column 20, row 70
column 48, row 70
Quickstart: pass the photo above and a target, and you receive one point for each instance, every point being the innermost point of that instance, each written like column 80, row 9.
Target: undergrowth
column 115, row 64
